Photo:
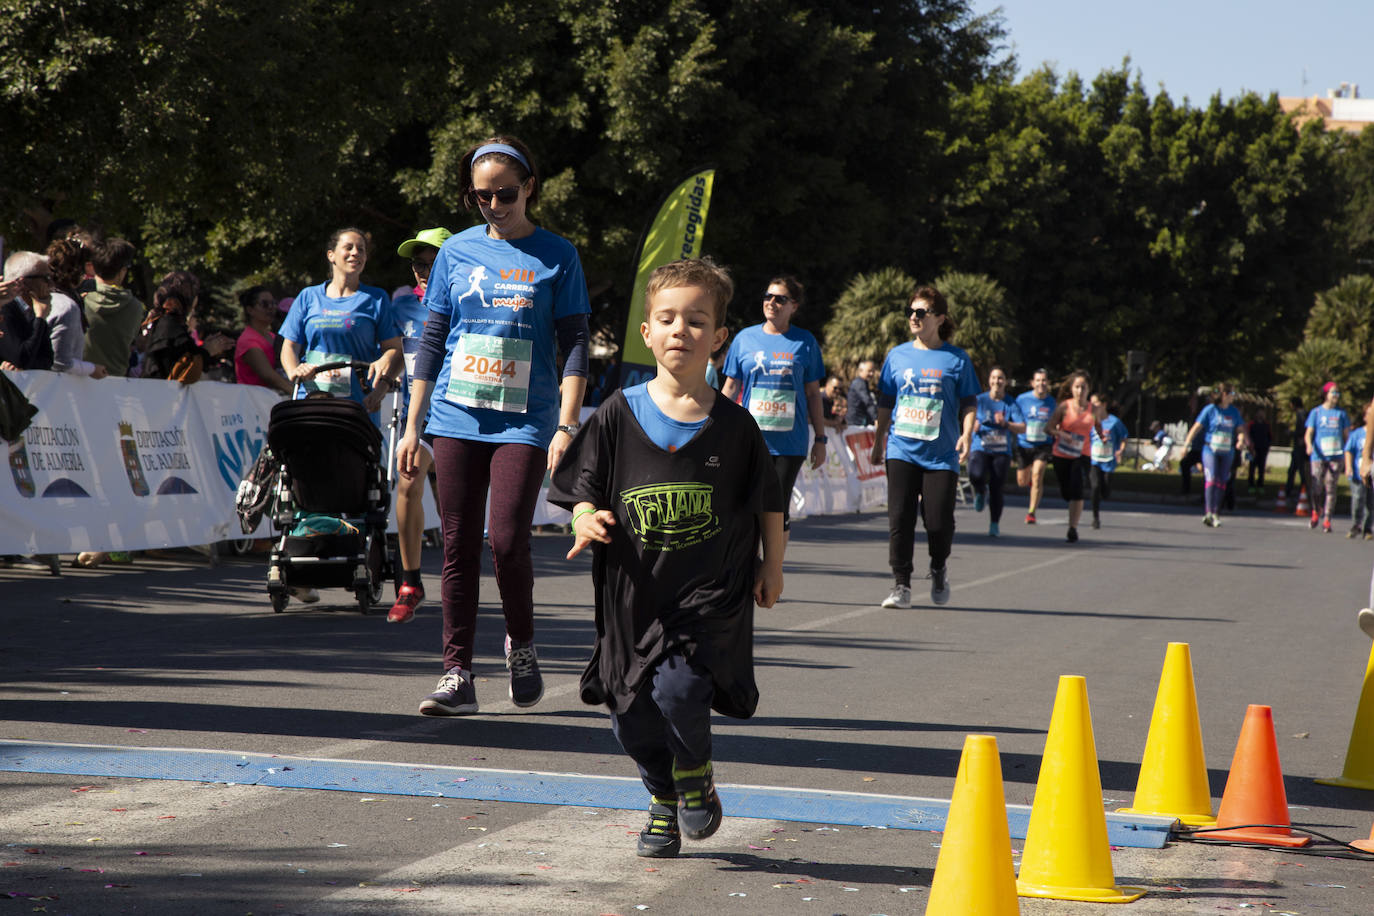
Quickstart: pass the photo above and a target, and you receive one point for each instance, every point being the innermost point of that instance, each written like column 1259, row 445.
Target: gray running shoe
column 900, row 597
column 699, row 811
column 455, row 695
column 526, row 684
column 939, row 586
column 660, row 838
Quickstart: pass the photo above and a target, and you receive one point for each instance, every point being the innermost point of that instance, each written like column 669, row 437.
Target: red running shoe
column 1030, row 518
column 1326, row 526
column 408, row 598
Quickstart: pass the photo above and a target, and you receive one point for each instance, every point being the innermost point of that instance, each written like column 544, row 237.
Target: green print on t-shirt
column 671, row 516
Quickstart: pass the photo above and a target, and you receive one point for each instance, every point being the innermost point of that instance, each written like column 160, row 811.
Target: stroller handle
column 358, row 366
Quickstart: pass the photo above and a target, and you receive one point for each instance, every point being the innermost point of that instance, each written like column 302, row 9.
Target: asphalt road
column 172, row 654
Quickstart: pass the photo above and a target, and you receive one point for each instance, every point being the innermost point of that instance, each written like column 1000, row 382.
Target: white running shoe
column 1366, row 620
column 900, row 597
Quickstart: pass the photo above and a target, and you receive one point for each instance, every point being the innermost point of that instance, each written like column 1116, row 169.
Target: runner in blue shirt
column 410, row 510
column 503, row 296
column 1223, row 437
column 1033, row 446
column 1327, row 427
column 342, row 320
column 775, row 370
column 927, row 398
column 1361, row 510
column 1106, row 454
column 996, row 420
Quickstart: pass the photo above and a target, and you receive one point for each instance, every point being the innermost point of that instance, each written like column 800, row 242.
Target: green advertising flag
column 675, row 233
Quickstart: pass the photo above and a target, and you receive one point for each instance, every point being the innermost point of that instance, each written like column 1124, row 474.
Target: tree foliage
column 869, row 318
column 1338, row 343
column 985, row 323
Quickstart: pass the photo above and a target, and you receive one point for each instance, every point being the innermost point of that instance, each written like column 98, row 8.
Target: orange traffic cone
column 1254, row 789
column 1303, row 506
column 1365, row 845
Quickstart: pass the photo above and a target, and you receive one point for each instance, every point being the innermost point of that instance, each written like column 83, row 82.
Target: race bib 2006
column 918, row 417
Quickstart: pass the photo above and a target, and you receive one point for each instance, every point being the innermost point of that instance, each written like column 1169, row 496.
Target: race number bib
column 1071, row 443
column 918, row 417
column 774, row 409
column 1330, row 445
column 1035, row 430
column 336, row 383
column 994, row 440
column 1102, row 451
column 491, row 372
column 1220, row 441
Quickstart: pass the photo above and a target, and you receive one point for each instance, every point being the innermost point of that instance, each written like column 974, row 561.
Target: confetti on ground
column 738, row 894
column 337, row 845
column 138, row 731
column 752, row 846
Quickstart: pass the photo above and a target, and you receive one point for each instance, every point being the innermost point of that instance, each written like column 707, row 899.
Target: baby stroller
column 332, row 500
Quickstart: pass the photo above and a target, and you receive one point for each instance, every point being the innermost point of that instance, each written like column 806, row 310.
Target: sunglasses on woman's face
column 504, row 195
column 918, row 314
column 779, row 298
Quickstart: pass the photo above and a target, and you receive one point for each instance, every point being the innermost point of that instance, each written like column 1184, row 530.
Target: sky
column 1197, row 48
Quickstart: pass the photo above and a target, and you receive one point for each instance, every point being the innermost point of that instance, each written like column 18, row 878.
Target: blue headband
column 502, row 148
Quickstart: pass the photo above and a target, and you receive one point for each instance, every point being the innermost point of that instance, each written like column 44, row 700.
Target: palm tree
column 868, row 318
column 985, row 325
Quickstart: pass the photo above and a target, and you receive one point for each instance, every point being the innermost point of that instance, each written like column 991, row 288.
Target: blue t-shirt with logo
column 1219, row 428
column 662, row 430
column 326, row 330
column 1103, row 451
column 925, row 387
column 773, row 371
column 1036, row 413
column 1330, row 426
column 410, row 314
column 499, row 378
column 991, row 437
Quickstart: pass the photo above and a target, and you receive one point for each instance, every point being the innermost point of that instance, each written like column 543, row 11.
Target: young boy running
column 673, row 485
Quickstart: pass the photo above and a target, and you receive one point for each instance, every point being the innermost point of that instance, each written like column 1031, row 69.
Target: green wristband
column 577, row 515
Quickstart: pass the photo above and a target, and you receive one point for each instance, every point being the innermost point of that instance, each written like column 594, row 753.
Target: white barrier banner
column 138, row 464
column 126, row 464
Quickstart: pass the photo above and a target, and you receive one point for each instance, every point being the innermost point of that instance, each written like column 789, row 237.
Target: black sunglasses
column 918, row 314
column 779, row 298
column 504, row 195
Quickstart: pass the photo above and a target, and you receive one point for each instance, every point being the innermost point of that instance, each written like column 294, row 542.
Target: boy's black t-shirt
column 679, row 571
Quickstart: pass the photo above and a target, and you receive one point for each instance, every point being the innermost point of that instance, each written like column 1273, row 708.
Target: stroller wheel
column 279, row 600
column 365, row 599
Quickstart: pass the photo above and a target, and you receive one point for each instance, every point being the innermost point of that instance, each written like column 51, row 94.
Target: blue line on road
column 776, row 803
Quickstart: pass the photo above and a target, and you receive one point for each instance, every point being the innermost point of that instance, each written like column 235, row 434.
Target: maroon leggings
column 514, row 472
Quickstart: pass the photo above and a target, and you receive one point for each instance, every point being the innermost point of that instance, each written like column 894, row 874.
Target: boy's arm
column 768, row 580
column 590, row 523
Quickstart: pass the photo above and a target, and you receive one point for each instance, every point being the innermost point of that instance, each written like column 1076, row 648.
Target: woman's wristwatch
column 569, row 428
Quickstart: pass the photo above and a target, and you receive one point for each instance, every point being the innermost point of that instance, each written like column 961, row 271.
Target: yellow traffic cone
column 1066, row 855
column 1359, row 757
column 1173, row 772
column 974, row 874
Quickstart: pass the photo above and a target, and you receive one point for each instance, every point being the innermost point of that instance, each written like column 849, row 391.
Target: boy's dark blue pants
column 669, row 719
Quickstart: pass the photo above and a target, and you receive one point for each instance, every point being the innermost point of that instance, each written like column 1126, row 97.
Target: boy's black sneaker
column 698, row 806
column 660, row 838
column 455, row 695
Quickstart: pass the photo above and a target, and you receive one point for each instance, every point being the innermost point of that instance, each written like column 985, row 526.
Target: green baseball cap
column 431, row 237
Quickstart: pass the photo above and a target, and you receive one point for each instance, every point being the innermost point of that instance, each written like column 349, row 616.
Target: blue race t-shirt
column 926, row 386
column 1036, row 412
column 773, row 371
column 1219, row 427
column 1331, row 426
column 990, row 436
column 411, row 315
column 662, row 430
column 326, row 330
column 1103, row 451
column 1354, row 445
column 499, row 378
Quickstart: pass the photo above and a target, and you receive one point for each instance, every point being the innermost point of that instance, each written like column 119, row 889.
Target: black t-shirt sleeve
column 585, row 470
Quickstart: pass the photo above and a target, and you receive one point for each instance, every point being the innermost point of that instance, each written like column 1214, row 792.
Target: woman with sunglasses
column 927, row 403
column 776, row 370
column 1071, row 427
column 255, row 353
column 502, row 297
